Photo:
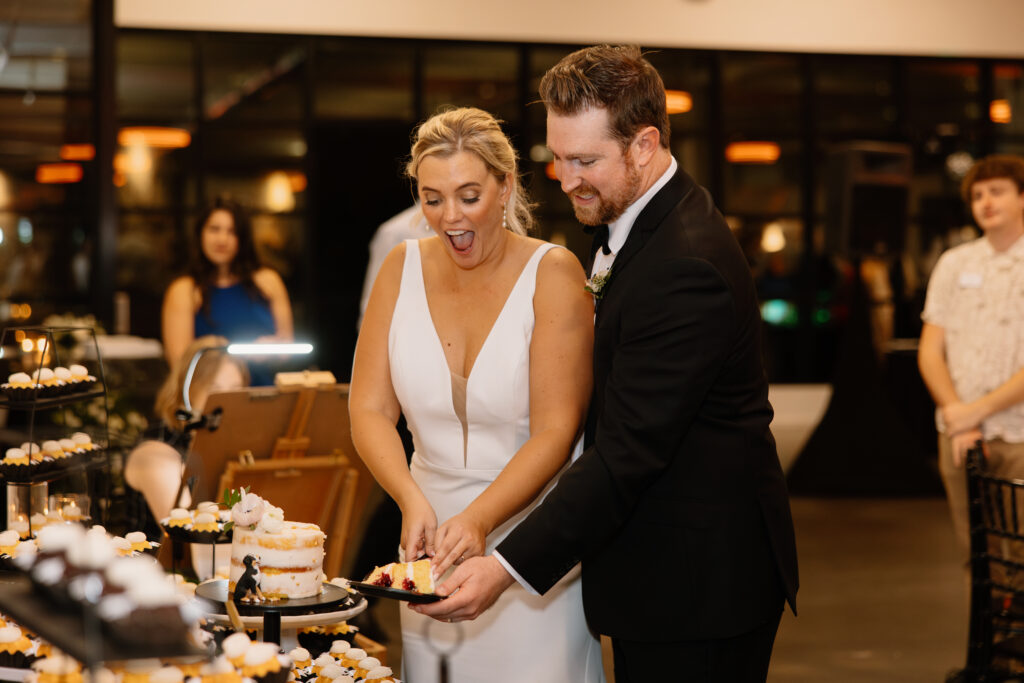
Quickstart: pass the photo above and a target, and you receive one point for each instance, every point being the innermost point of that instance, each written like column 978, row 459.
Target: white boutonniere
column 595, row 285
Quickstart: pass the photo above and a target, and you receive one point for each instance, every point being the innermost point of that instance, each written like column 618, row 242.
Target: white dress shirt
column 618, row 230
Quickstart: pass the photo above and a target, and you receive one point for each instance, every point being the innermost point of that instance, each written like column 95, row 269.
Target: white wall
column 982, row 28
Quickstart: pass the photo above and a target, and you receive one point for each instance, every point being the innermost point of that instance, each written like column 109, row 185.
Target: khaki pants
column 1005, row 460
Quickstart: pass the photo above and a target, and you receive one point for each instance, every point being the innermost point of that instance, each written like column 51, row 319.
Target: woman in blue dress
column 227, row 291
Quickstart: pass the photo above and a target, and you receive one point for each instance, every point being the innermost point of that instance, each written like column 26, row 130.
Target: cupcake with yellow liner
column 167, row 674
column 204, row 521
column 380, row 674
column 180, row 517
column 322, row 661
column 69, row 446
column 49, row 385
column 234, row 648
column 219, row 670
column 122, row 546
column 26, row 550
column 57, row 669
column 339, row 648
column 81, row 380
column 83, row 441
column 139, row 670
column 99, row 675
column 19, row 387
column 138, row 540
column 352, row 657
column 331, row 673
column 52, row 449
column 301, row 662
column 208, row 506
column 189, row 666
column 32, row 449
column 15, row 647
column 365, row 665
column 9, row 541
column 263, row 663
column 63, row 375
column 16, row 466
column 15, row 456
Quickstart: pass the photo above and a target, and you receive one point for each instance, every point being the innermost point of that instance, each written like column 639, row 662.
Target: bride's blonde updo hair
column 468, row 129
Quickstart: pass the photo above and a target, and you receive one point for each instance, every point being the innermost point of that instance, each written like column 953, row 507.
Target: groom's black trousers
column 740, row 659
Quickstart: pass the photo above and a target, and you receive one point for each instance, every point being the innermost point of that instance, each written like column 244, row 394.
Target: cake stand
column 285, row 617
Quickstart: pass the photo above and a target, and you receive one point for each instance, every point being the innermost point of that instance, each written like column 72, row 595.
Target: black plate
column 332, row 599
column 395, row 593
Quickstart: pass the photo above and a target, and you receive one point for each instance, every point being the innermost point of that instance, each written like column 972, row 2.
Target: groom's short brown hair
column 617, row 79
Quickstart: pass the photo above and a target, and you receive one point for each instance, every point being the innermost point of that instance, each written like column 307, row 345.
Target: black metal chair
column 995, row 648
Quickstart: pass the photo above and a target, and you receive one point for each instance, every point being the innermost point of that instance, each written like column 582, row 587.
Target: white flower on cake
column 248, row 511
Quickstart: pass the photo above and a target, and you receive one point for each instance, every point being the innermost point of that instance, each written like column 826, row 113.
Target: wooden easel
column 295, row 442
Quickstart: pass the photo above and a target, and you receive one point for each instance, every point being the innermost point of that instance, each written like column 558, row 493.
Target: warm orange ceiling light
column 154, row 136
column 549, row 170
column 751, row 152
column 678, row 101
column 58, row 173
column 1000, row 111
column 298, row 181
column 77, row 152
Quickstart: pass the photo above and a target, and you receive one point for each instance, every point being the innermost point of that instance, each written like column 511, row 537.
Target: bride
column 482, row 337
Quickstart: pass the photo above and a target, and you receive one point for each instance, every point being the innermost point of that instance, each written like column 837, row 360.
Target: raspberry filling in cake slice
column 408, row 576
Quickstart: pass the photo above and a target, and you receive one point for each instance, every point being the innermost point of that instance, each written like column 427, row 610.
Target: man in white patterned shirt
column 971, row 353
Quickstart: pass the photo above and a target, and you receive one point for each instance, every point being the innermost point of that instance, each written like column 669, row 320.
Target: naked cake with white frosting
column 290, row 555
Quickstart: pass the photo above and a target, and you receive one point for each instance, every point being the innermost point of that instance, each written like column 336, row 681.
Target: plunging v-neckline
column 494, row 323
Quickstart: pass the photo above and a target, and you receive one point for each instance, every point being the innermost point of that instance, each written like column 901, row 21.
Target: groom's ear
column 645, row 144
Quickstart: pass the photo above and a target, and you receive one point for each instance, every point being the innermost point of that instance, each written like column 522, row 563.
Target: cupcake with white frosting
column 19, row 387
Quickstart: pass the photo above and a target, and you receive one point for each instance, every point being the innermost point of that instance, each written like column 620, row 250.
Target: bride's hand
column 419, row 525
column 461, row 537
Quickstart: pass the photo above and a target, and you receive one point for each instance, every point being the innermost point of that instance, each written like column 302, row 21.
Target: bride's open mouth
column 461, row 240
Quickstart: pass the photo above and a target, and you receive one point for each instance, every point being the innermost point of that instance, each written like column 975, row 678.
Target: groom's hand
column 471, row 589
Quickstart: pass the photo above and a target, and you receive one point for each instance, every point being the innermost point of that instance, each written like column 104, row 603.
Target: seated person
column 154, row 467
column 227, row 291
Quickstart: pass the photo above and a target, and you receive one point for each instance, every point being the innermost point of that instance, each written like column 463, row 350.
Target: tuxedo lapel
column 646, row 224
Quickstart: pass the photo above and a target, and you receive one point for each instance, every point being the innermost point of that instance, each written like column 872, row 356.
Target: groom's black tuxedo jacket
column 678, row 507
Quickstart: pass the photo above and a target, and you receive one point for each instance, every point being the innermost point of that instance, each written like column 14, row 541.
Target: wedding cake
column 290, row 555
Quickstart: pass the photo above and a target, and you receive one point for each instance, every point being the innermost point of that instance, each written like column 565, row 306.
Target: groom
column 678, row 507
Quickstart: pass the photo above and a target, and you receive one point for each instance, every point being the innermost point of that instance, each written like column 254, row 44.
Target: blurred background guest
column 154, row 466
column 227, row 291
column 970, row 354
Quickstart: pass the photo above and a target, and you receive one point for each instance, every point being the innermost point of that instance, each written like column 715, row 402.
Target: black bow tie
column 600, row 233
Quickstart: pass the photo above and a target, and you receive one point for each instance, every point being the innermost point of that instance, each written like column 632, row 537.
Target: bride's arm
column 374, row 409
column 560, row 383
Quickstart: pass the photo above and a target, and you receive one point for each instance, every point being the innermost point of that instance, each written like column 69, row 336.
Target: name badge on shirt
column 970, row 280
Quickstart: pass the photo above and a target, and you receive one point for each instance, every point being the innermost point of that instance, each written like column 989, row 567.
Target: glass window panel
column 760, row 94
column 1008, row 85
column 253, row 78
column 153, row 178
column 151, row 251
column 155, row 78
column 689, row 72
column 477, row 76
column 769, row 188
column 357, row 79
column 943, row 96
column 854, row 97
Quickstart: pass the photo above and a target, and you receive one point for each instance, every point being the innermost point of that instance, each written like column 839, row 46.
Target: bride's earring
column 504, row 217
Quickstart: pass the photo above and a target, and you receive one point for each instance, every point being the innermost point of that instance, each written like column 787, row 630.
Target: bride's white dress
column 462, row 441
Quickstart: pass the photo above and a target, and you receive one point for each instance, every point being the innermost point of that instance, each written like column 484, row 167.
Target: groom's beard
column 608, row 207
